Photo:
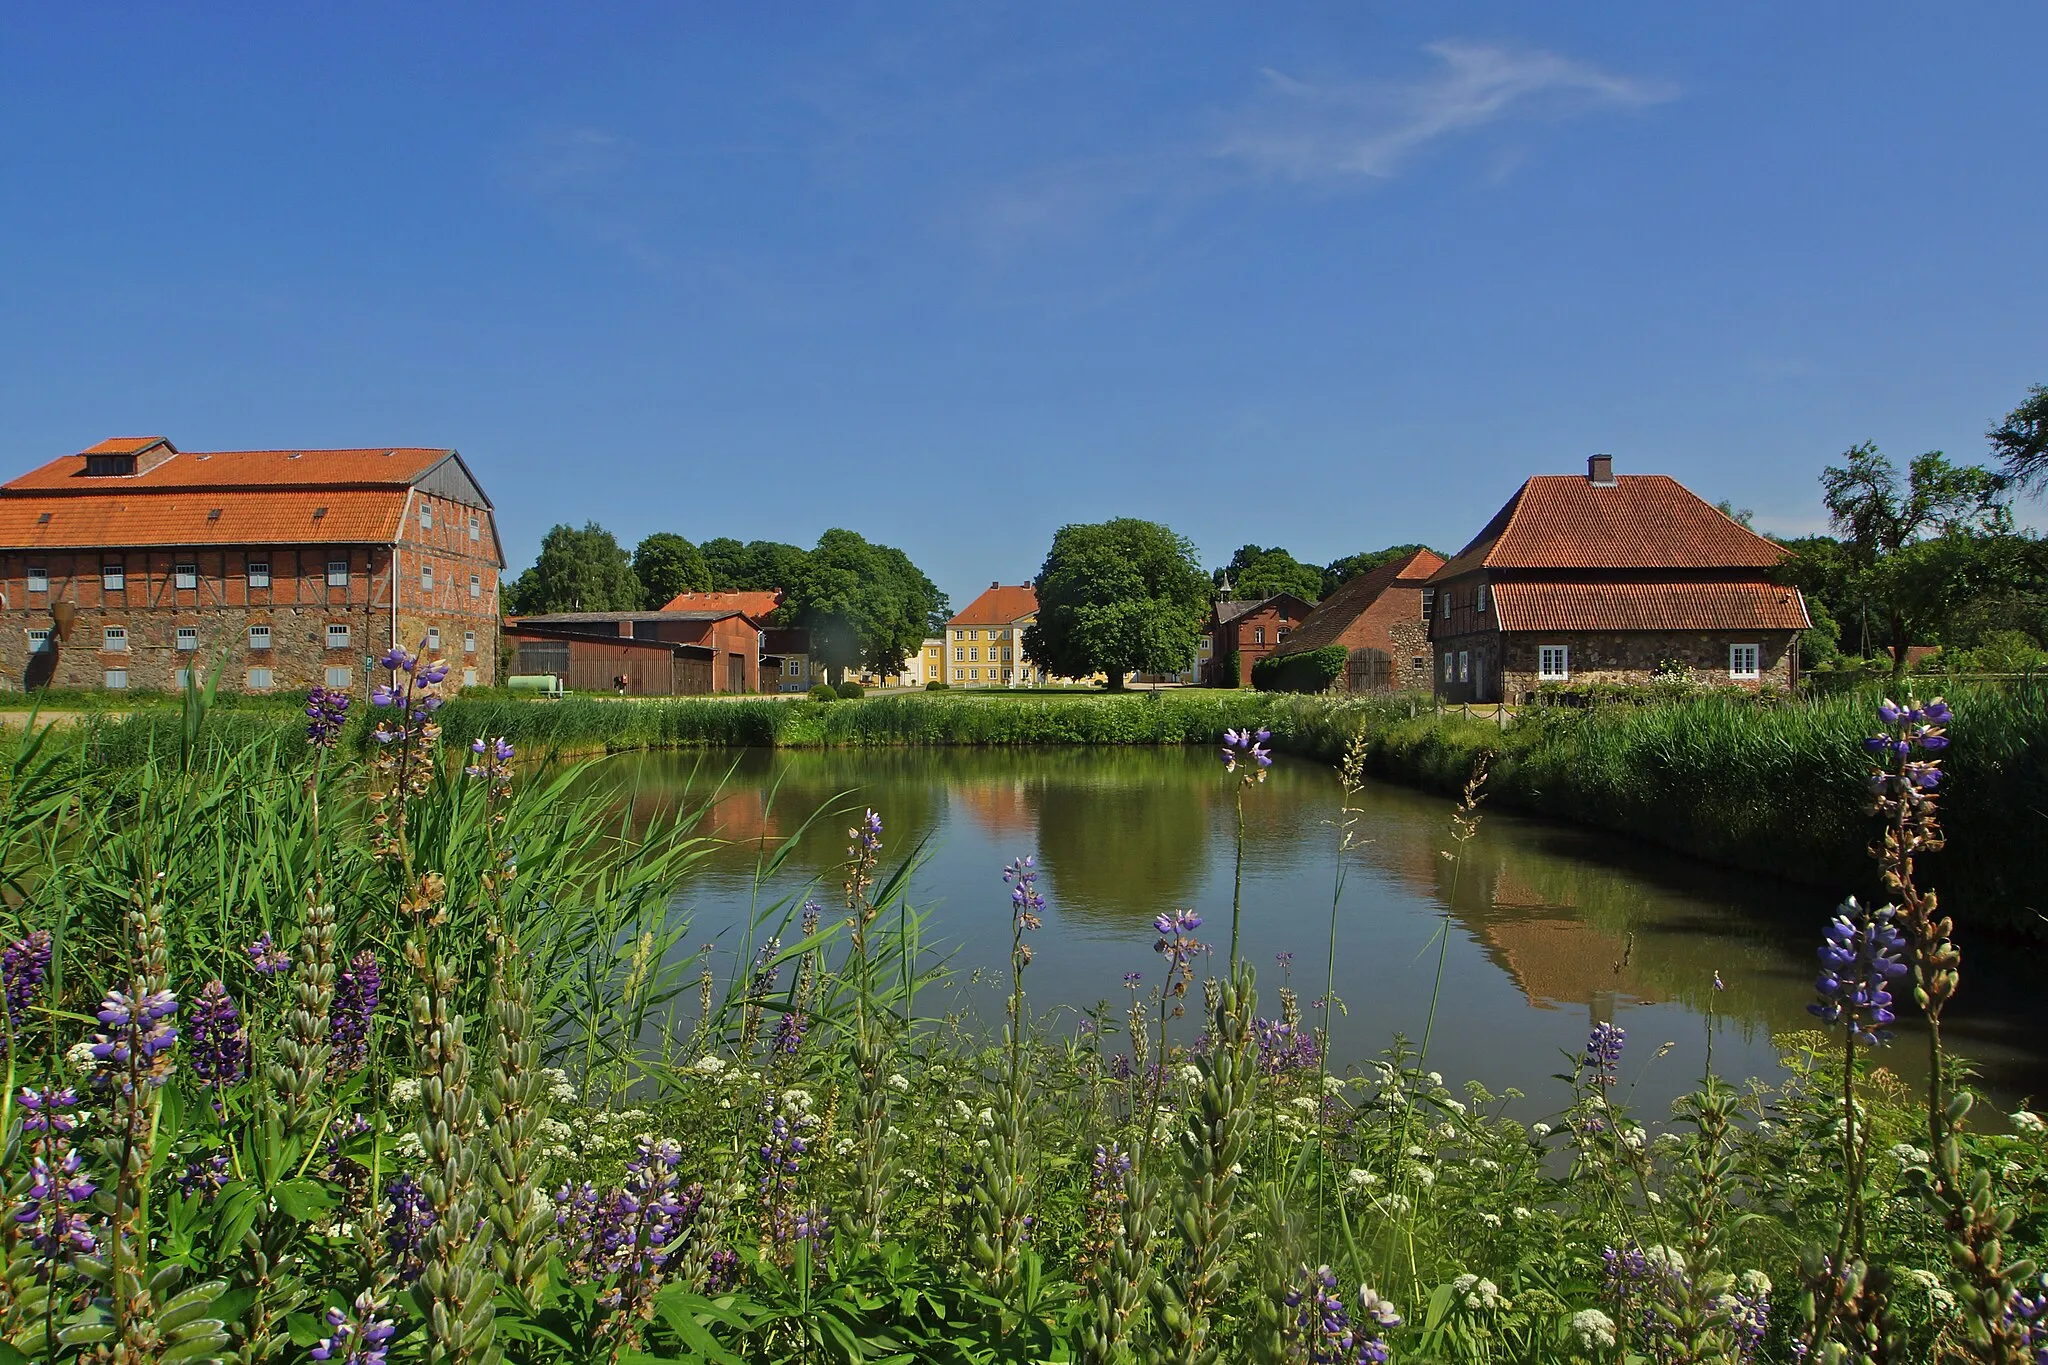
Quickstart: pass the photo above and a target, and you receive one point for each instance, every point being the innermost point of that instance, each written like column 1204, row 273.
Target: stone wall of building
column 1506, row 667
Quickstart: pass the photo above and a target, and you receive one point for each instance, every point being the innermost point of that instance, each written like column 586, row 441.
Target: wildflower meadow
column 409, row 1056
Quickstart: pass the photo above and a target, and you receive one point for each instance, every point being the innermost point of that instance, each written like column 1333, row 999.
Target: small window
column 261, row 680
column 959, row 634
column 39, row 642
column 337, row 573
column 1553, row 663
column 469, row 677
column 476, row 529
column 185, row 576
column 188, row 638
column 259, row 573
column 1258, row 635
column 38, row 580
column 959, row 674
column 1443, row 605
column 426, row 578
column 115, row 639
column 339, row 678
column 1745, row 661
column 117, row 680
column 973, row 652
column 434, row 638
column 476, row 585
column 1447, row 665
column 113, row 578
column 1428, row 603
column 337, row 637
column 1464, row 665
column 469, row 642
column 1481, row 602
column 959, row 654
column 426, row 516
column 184, row 679
column 259, row 637
column 974, row 674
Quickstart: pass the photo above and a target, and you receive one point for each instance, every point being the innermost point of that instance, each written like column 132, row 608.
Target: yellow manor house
column 986, row 640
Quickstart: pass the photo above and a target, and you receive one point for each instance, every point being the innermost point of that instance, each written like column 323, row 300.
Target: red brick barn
column 1381, row 618
column 1249, row 630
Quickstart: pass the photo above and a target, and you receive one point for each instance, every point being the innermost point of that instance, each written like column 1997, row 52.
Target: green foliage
column 2002, row 651
column 1256, row 571
column 823, row 692
column 2021, row 441
column 1124, row 596
column 667, row 564
column 1311, row 670
column 582, row 570
column 863, row 604
column 935, row 685
column 1337, row 571
column 850, row 691
column 757, row 566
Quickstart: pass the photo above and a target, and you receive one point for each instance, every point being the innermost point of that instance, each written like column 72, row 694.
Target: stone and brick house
column 727, row 639
column 1381, row 618
column 1604, row 579
column 1247, row 631
column 134, row 564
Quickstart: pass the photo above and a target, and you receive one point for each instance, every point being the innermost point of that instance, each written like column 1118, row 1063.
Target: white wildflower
column 1358, row 1178
column 1655, row 1198
column 1543, row 1130
column 797, row 1101
column 80, row 1059
column 1436, row 1078
column 408, row 1146
column 1333, row 1085
column 1482, row 1164
column 710, row 1064
column 1307, row 1104
column 1908, row 1155
column 554, row 1130
column 1455, row 1106
column 1755, row 1283
column 1521, row 1215
column 937, row 1073
column 560, row 1089
column 843, row 1147
column 1237, row 1168
column 405, row 1092
column 899, row 1082
column 1425, row 1177
column 1417, row 1152
column 2027, row 1121
column 1483, row 1296
column 1191, row 1073
column 986, row 1118
column 1491, row 1220
column 1670, row 1260
column 1592, row 1329
column 1633, row 1138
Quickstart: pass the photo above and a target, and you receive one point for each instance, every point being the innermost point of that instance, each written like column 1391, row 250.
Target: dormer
column 125, row 456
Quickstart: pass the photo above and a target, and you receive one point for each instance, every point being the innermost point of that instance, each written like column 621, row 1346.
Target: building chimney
column 626, row 630
column 1600, row 471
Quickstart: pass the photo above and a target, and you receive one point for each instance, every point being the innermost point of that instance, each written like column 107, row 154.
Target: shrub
column 1311, row 670
column 936, row 686
column 851, row 690
column 824, row 692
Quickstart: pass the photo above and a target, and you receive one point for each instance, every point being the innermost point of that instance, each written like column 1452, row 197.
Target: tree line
column 864, row 605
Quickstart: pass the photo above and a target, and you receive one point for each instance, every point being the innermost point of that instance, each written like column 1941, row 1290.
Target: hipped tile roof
column 1354, row 596
column 113, row 521
column 1649, row 606
column 1640, row 521
column 998, row 606
column 755, row 604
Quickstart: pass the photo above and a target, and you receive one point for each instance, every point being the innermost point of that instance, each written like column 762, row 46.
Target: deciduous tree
column 863, row 604
column 2021, row 441
column 1258, row 571
column 577, row 570
column 1124, row 596
column 667, row 564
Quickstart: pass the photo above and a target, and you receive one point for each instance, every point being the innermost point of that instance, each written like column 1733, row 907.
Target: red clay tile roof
column 1649, row 606
column 755, row 604
column 998, row 606
column 281, row 517
column 1335, row 613
column 376, row 467
column 1641, row 521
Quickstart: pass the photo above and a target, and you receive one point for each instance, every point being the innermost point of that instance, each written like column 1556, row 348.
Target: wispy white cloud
column 579, row 177
column 1306, row 130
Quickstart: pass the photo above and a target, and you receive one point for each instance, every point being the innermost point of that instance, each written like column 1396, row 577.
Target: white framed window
column 1482, row 599
column 117, row 680
column 1745, row 661
column 340, row 678
column 259, row 637
column 469, row 677
column 959, row 674
column 259, row 573
column 114, row 639
column 337, row 637
column 1258, row 635
column 959, row 654
column 337, row 573
column 39, row 642
column 185, row 576
column 184, row 679
column 261, row 680
column 476, row 585
column 1554, row 663
column 113, row 578
column 38, row 580
column 1428, row 603
column 1464, row 665
column 469, row 644
column 434, row 638
column 426, row 516
column 959, row 634
column 974, row 675
column 426, row 578
column 187, row 639
column 476, row 529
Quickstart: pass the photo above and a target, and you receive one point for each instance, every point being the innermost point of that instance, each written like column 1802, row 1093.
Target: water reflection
column 1544, row 928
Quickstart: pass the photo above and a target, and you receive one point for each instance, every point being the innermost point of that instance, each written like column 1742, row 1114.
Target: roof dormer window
column 107, row 466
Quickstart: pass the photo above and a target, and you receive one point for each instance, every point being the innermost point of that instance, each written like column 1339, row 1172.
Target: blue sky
column 1328, row 276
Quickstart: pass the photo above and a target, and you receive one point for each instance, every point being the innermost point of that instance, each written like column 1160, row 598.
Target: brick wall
column 458, row 544
column 1507, row 666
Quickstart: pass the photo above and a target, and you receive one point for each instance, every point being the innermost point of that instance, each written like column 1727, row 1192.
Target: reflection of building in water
column 1554, row 957
column 743, row 817
column 997, row 806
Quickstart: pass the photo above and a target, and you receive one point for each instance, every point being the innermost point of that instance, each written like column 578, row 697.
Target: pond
column 1537, row 931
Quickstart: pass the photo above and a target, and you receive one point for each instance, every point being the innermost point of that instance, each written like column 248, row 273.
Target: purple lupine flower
column 326, row 713
column 23, row 965
column 219, row 1043
column 789, row 1033
column 1120, row 1067
column 1131, row 980
column 54, row 1207
column 203, row 1177
column 1603, row 1052
column 1245, row 746
column 1907, row 780
column 636, row 1228
column 2028, row 1309
column 397, row 661
column 1027, row 904
column 1320, row 1328
column 1860, row 956
column 1178, row 946
column 867, row 835
column 47, row 1111
column 267, row 958
column 493, row 762
column 356, row 989
column 1284, row 1047
column 135, row 1045
column 407, row 1220
column 432, row 673
column 356, row 1338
